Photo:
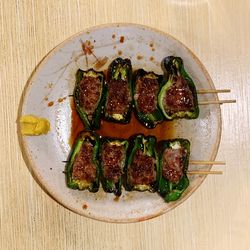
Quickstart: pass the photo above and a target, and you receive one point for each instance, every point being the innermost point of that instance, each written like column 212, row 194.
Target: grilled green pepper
column 88, row 97
column 82, row 168
column 146, row 87
column 178, row 97
column 142, row 164
column 173, row 165
column 118, row 91
column 112, row 162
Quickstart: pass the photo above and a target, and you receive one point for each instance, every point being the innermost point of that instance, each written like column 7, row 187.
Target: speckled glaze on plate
column 47, row 95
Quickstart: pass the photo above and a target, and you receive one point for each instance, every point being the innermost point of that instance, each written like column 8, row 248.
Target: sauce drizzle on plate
column 162, row 131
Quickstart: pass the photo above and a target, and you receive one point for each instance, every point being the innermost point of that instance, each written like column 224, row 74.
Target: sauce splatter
column 113, row 36
column 153, row 49
column 61, row 99
column 100, row 62
column 87, row 47
column 116, row 198
column 84, row 206
column 139, row 57
column 151, row 44
column 50, row 104
column 119, row 52
column 46, row 98
column 151, row 58
column 122, row 39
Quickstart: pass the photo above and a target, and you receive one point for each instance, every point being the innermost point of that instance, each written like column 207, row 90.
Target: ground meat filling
column 118, row 98
column 142, row 170
column 90, row 91
column 112, row 158
column 84, row 168
column 179, row 97
column 146, row 95
column 173, row 164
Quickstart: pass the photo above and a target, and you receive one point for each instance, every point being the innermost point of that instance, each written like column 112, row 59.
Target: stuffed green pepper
column 112, row 162
column 118, row 91
column 146, row 87
column 82, row 168
column 177, row 97
column 173, row 162
column 88, row 97
column 142, row 164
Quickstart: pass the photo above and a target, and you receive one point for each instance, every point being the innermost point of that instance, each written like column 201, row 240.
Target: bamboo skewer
column 200, row 172
column 216, row 102
column 198, row 162
column 211, row 91
column 207, row 91
column 207, row 163
column 206, row 102
column 203, row 172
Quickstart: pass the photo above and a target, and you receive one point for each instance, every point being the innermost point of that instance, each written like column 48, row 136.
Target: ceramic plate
column 47, row 95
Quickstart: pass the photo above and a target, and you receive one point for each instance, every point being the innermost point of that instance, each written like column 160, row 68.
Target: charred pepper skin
column 168, row 190
column 90, row 123
column 148, row 146
column 83, row 137
column 174, row 67
column 119, row 69
column 110, row 186
column 149, row 120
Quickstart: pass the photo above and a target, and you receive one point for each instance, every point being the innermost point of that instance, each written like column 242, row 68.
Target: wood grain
column 217, row 216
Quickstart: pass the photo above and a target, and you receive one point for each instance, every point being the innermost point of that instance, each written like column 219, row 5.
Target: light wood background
column 217, row 215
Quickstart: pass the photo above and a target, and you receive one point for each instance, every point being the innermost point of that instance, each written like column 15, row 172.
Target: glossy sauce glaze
column 162, row 131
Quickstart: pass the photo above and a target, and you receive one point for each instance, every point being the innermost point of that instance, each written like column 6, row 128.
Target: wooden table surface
column 217, row 215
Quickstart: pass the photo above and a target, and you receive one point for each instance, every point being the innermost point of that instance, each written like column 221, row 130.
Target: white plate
column 54, row 78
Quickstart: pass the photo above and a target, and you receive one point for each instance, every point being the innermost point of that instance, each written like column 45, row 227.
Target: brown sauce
column 139, row 57
column 100, row 62
column 76, row 124
column 122, row 39
column 50, row 104
column 84, row 206
column 87, row 47
column 162, row 131
column 61, row 99
column 116, row 198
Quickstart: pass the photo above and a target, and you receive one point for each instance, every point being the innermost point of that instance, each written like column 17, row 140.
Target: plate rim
column 25, row 150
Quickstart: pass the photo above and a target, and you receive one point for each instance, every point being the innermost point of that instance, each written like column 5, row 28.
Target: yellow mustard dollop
column 33, row 125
